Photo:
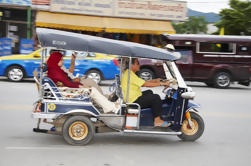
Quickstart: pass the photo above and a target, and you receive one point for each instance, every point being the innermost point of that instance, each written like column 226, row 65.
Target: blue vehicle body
column 84, row 63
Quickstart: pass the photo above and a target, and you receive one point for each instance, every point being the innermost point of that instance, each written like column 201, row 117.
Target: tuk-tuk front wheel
column 78, row 130
column 194, row 132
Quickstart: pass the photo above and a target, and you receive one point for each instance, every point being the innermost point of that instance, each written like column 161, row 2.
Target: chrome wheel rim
column 78, row 130
column 95, row 76
column 15, row 74
column 146, row 76
column 223, row 80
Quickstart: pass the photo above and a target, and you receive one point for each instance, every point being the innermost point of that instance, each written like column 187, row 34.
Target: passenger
column 55, row 62
column 82, row 80
column 145, row 99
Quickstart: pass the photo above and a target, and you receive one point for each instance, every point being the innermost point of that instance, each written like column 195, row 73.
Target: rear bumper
column 43, row 115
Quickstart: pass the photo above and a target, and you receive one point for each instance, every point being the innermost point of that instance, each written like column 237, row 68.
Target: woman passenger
column 55, row 62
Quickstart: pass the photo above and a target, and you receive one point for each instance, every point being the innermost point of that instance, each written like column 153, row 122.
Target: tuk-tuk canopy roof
column 80, row 42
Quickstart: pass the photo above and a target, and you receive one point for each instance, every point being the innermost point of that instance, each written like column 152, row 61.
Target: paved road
column 226, row 140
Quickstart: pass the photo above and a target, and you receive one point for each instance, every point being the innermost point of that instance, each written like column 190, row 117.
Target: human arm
column 73, row 59
column 66, row 81
column 157, row 80
column 155, row 83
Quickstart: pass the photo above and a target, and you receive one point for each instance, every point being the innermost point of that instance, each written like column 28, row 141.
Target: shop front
column 138, row 21
column 118, row 28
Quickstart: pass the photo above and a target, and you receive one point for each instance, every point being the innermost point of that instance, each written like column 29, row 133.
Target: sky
column 207, row 5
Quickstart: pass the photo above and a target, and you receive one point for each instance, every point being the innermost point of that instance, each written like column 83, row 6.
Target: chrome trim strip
column 67, row 102
column 44, row 116
column 152, row 132
column 80, row 111
column 227, row 56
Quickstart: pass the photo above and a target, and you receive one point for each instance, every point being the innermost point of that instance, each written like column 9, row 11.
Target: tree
column 237, row 20
column 193, row 26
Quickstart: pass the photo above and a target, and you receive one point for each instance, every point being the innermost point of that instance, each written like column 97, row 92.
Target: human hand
column 76, row 79
column 165, row 83
column 59, row 84
column 158, row 79
column 74, row 54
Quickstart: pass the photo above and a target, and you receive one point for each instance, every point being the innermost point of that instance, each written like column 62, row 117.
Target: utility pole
column 28, row 22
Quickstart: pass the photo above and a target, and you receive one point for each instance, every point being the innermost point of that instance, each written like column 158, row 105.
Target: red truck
column 213, row 59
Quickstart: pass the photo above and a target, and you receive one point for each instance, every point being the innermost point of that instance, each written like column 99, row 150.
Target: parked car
column 212, row 59
column 93, row 65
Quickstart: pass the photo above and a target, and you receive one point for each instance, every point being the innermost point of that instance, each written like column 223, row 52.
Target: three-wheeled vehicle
column 78, row 118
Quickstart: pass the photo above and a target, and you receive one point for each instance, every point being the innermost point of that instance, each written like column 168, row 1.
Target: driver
column 145, row 99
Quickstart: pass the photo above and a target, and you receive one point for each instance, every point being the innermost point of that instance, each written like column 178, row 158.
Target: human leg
column 89, row 82
column 146, row 92
column 150, row 100
column 103, row 101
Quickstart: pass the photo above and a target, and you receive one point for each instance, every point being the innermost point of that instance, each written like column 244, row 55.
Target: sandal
column 164, row 124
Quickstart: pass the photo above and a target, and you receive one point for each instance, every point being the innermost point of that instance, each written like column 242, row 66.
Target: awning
column 99, row 24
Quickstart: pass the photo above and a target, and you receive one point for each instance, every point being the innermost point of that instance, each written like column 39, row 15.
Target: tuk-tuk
column 78, row 119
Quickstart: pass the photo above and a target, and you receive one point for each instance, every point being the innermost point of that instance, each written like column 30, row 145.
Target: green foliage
column 237, row 20
column 193, row 26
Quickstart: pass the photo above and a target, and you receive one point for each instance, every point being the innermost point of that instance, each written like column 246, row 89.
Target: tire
column 15, row 73
column 95, row 75
column 146, row 74
column 222, row 80
column 192, row 134
column 78, row 130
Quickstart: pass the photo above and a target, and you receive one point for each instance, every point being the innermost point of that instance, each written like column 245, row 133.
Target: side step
column 153, row 132
column 37, row 130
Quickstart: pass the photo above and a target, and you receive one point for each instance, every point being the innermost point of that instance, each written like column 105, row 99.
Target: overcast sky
column 207, row 5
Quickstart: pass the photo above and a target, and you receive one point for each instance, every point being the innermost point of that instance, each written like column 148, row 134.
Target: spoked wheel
column 95, row 75
column 78, row 130
column 15, row 73
column 146, row 74
column 222, row 80
column 194, row 132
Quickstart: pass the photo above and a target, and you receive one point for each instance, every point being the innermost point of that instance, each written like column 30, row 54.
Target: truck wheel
column 78, row 130
column 15, row 73
column 146, row 74
column 95, row 75
column 192, row 134
column 222, row 80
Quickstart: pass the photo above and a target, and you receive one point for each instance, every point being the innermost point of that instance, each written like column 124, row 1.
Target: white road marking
column 43, row 148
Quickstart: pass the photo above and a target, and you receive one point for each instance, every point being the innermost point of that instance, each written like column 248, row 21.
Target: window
column 216, row 47
column 186, row 56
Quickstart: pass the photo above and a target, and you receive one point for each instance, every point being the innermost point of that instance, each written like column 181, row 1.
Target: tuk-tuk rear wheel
column 194, row 132
column 78, row 130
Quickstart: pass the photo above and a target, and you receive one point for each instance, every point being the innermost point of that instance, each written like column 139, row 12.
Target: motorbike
column 78, row 118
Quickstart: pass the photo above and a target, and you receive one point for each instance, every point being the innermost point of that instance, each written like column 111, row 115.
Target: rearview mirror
column 188, row 95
